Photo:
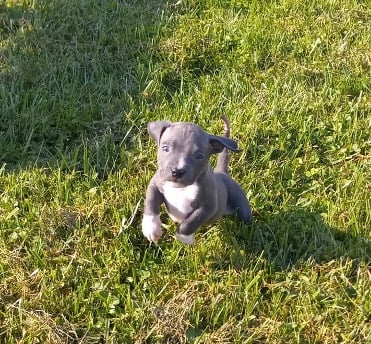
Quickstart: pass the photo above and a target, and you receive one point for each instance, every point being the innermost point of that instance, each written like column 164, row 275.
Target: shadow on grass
column 292, row 237
column 69, row 83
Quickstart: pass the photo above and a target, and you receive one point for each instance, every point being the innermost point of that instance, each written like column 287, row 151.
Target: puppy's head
column 184, row 150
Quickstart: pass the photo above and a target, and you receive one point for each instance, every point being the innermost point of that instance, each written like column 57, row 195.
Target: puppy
column 194, row 194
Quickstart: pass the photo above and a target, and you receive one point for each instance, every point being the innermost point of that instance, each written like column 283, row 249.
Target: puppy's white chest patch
column 179, row 200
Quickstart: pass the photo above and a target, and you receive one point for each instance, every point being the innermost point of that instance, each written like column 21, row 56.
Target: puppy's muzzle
column 177, row 172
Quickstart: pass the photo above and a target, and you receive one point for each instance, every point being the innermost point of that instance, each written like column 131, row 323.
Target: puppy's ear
column 156, row 129
column 218, row 143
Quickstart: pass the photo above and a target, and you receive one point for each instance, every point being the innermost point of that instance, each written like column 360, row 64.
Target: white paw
column 151, row 227
column 185, row 239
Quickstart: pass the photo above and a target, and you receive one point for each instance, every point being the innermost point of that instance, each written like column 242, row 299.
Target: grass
column 79, row 80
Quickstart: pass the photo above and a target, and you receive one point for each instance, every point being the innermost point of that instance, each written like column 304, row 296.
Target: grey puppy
column 194, row 194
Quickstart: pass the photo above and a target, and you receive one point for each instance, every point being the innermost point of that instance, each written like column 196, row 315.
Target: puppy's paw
column 151, row 227
column 186, row 239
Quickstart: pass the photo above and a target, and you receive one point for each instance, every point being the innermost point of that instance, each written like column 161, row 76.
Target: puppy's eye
column 165, row 148
column 198, row 156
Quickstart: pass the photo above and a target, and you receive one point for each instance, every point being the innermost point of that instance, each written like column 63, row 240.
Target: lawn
column 80, row 79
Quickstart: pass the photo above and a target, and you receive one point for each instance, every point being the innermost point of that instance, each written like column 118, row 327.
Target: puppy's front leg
column 185, row 231
column 151, row 223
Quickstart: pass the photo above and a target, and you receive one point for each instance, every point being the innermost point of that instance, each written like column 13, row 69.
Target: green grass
column 80, row 79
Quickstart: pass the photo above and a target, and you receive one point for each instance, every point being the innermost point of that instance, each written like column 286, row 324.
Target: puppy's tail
column 223, row 158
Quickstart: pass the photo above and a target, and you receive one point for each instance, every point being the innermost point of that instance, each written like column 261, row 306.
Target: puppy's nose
column 177, row 172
